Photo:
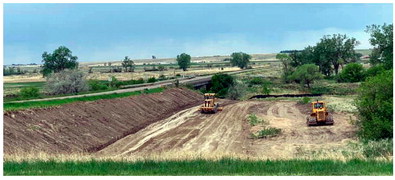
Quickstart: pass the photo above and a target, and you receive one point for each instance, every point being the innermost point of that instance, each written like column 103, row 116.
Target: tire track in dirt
column 229, row 132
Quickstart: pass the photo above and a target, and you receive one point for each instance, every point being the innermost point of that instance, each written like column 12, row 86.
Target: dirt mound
column 229, row 132
column 90, row 126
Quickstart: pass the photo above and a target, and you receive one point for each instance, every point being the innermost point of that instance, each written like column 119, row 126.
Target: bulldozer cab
column 210, row 106
column 318, row 105
column 209, row 99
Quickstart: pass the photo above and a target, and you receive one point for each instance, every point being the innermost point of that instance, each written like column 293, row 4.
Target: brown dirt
column 229, row 132
column 90, row 126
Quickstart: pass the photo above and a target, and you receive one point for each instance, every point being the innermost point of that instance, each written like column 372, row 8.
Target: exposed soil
column 90, row 126
column 229, row 132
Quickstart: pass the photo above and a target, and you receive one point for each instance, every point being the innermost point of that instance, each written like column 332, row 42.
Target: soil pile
column 90, row 126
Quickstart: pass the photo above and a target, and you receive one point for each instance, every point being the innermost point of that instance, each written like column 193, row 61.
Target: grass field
column 41, row 104
column 225, row 166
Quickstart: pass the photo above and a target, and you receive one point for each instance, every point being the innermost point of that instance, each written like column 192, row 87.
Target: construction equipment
column 210, row 105
column 319, row 115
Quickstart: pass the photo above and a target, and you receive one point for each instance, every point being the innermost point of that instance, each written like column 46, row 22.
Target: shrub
column 66, row 82
column 268, row 132
column 161, row 67
column 95, row 85
column 304, row 100
column 29, row 92
column 115, row 82
column 140, row 81
column 162, row 77
column 381, row 148
column 374, row 70
column 220, row 83
column 306, row 74
column 266, row 89
column 257, row 81
column 254, row 120
column 236, row 91
column 374, row 104
column 320, row 90
column 353, row 72
column 151, row 80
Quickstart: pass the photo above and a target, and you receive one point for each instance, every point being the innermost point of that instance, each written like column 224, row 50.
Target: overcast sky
column 103, row 32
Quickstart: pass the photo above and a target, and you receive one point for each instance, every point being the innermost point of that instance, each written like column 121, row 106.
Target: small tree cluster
column 220, row 83
column 128, row 64
column 353, row 72
column 66, row 82
column 240, row 59
column 306, row 74
column 184, row 61
column 59, row 60
column 375, row 105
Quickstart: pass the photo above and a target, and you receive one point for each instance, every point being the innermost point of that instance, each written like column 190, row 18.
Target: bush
column 320, row 90
column 95, row 85
column 266, row 89
column 29, row 92
column 236, row 91
column 374, row 70
column 162, row 77
column 220, row 84
column 115, row 82
column 257, row 81
column 151, row 80
column 305, row 100
column 353, row 72
column 374, row 104
column 268, row 132
column 306, row 74
column 66, row 82
column 381, row 148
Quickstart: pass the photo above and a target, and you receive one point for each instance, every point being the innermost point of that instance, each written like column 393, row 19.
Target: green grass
column 224, row 166
column 42, row 104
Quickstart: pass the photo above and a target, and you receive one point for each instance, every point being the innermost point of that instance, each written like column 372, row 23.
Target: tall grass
column 42, row 104
column 225, row 166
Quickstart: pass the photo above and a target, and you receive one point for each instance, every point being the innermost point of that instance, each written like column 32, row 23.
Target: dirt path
column 229, row 132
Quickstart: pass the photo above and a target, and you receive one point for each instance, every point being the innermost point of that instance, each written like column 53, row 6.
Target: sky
column 108, row 32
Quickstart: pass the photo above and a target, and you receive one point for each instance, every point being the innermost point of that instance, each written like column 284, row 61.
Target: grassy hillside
column 200, row 167
column 41, row 104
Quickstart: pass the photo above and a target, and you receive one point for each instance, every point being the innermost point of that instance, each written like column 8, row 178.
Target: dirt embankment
column 90, row 126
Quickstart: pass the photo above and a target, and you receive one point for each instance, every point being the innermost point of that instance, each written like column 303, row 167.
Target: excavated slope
column 90, row 126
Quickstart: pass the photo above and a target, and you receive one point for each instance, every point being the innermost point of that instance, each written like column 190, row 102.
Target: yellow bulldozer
column 319, row 115
column 210, row 105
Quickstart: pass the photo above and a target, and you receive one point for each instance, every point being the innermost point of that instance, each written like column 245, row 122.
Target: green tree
column 59, row 60
column 352, row 72
column 128, row 63
column 184, row 61
column 220, row 84
column 335, row 51
column 240, row 59
column 381, row 38
column 306, row 74
column 287, row 69
column 374, row 104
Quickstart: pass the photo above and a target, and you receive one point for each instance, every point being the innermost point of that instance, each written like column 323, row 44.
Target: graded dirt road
column 229, row 132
